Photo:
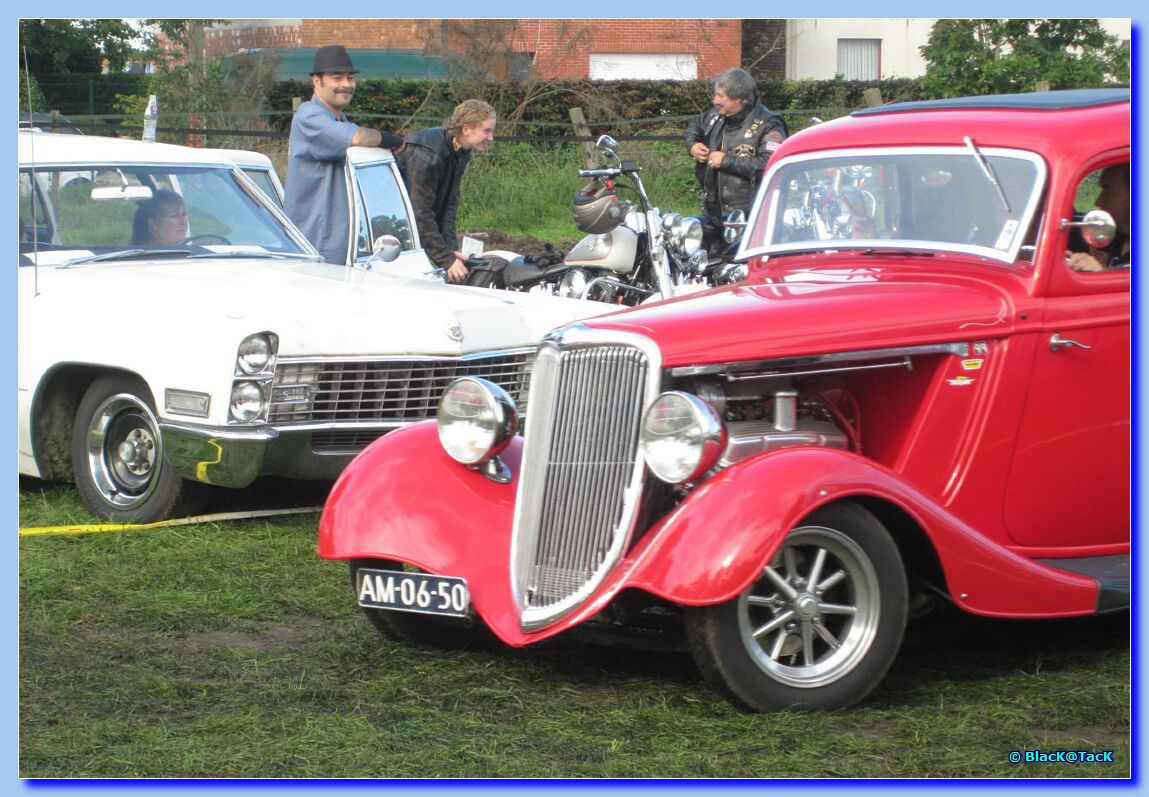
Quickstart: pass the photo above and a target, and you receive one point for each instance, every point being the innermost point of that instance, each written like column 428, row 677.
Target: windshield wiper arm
column 124, row 254
column 985, row 167
column 258, row 255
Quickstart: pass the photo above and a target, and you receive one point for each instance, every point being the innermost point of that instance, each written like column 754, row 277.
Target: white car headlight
column 682, row 437
column 256, row 353
column 477, row 420
column 247, row 402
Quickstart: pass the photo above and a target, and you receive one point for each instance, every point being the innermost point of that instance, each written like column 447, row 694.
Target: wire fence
column 263, row 128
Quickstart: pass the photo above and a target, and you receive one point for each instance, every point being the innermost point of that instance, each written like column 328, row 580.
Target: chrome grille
column 581, row 471
column 384, row 392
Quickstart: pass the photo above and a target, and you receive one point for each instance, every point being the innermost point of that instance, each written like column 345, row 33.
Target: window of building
column 642, row 66
column 860, row 59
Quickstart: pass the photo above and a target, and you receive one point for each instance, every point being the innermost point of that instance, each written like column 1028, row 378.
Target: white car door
column 380, row 206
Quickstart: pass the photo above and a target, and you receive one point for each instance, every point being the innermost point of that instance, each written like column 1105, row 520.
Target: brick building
column 520, row 48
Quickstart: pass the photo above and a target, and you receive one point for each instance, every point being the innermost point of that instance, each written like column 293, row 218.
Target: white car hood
column 316, row 309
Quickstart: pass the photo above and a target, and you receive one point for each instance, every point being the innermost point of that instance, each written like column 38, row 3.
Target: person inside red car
column 1114, row 200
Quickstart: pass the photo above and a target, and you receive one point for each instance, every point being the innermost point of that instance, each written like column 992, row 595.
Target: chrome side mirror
column 1097, row 228
column 385, row 249
column 606, row 142
column 734, row 226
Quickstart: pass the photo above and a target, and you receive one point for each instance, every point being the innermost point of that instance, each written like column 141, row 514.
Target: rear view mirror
column 105, row 192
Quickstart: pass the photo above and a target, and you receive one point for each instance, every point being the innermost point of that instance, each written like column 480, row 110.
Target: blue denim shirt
column 315, row 197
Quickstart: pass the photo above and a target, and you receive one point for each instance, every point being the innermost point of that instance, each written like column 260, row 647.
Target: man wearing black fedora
column 316, row 195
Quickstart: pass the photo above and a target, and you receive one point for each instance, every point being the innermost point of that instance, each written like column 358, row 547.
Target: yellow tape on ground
column 181, row 521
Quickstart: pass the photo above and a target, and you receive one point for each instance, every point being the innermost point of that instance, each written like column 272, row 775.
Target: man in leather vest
column 730, row 145
column 432, row 164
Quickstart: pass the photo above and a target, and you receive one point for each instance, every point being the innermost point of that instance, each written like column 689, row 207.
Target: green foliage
column 220, row 94
column 520, row 189
column 30, row 93
column 995, row 56
column 77, row 45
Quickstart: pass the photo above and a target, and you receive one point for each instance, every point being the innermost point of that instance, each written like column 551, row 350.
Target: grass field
column 232, row 650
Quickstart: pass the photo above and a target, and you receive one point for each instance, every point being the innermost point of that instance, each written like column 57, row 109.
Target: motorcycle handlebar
column 608, row 172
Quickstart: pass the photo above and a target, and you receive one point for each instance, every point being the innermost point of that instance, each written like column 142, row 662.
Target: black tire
column 117, row 457
column 425, row 630
column 784, row 645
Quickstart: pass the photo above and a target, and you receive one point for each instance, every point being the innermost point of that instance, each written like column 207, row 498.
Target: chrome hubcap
column 123, row 450
column 813, row 615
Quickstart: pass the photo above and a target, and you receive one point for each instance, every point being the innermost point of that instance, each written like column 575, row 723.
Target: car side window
column 1105, row 189
column 384, row 209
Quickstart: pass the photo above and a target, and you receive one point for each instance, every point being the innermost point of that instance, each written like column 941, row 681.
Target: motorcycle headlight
column 573, row 284
column 476, row 420
column 684, row 233
column 256, row 353
column 246, row 401
column 682, row 437
column 690, row 235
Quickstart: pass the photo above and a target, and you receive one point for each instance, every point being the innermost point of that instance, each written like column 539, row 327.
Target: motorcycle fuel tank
column 616, row 250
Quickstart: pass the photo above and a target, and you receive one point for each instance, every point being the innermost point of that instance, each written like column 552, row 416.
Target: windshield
column 77, row 211
column 952, row 199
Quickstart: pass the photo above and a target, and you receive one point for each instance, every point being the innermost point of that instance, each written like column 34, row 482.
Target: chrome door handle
column 1056, row 343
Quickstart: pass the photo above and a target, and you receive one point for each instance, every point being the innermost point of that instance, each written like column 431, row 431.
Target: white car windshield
column 75, row 211
column 954, row 199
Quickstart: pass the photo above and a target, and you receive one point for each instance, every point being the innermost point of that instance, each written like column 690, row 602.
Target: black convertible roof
column 1032, row 101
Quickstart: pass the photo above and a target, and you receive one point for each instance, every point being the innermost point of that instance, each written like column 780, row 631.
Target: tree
column 76, row 46
column 997, row 56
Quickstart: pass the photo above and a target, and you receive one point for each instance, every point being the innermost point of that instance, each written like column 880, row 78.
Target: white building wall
column 812, row 44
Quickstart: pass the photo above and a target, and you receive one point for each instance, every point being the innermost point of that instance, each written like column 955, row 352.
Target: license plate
column 412, row 592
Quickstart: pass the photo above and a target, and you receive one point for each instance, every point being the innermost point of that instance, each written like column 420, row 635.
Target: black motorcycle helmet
column 597, row 208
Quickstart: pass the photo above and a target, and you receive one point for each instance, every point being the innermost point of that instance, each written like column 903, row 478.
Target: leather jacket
column 433, row 170
column 744, row 138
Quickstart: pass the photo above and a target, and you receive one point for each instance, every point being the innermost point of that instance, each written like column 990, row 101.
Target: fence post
column 582, row 129
column 1042, row 85
column 873, row 97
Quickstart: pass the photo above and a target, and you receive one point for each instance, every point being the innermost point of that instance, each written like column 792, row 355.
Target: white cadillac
column 152, row 365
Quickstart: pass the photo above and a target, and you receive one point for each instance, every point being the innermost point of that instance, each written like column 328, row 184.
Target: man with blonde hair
column 432, row 162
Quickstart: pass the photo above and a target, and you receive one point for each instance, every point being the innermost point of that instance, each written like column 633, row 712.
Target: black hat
column 332, row 58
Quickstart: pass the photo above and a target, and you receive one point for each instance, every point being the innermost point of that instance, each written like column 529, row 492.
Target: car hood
column 316, row 309
column 816, row 313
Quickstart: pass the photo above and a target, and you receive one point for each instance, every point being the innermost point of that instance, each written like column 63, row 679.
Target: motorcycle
column 631, row 252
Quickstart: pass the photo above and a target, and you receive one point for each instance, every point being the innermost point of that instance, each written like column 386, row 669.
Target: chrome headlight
column 247, row 401
column 256, row 354
column 476, row 419
column 682, row 437
column 573, row 284
column 684, row 233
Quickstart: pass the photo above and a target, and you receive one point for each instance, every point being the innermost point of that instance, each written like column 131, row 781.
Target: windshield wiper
column 125, row 254
column 900, row 252
column 985, row 167
column 245, row 253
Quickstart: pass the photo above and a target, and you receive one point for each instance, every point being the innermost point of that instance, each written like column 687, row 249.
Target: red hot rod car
column 912, row 396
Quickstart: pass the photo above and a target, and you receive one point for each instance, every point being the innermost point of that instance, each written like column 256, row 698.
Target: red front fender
column 716, row 543
column 404, row 499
